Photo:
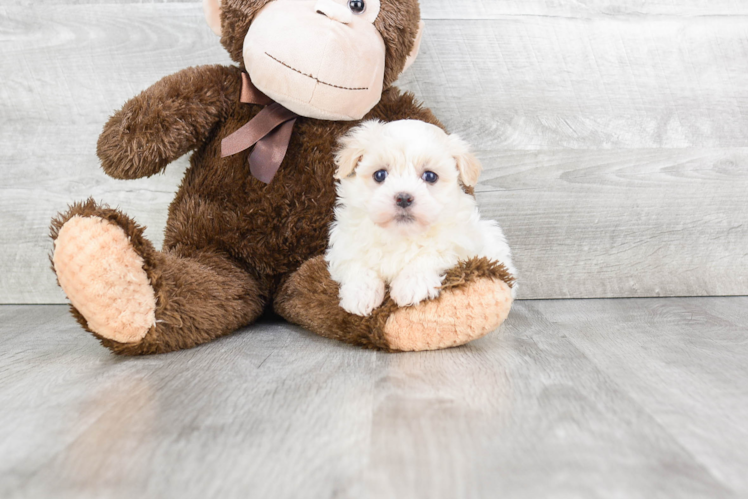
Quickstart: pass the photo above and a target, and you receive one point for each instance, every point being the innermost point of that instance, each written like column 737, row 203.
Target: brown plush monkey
column 235, row 245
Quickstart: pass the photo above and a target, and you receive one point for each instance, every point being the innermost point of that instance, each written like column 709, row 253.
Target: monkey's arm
column 167, row 120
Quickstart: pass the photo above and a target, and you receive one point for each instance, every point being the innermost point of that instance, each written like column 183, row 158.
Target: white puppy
column 403, row 217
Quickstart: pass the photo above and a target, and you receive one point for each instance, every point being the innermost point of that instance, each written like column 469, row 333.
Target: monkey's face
column 319, row 58
column 325, row 59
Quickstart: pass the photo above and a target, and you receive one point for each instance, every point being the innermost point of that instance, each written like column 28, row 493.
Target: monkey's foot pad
column 104, row 279
column 457, row 317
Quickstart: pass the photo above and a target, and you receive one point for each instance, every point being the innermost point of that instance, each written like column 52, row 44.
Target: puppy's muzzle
column 404, row 200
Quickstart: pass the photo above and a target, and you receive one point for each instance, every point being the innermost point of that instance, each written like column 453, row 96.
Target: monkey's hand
column 167, row 120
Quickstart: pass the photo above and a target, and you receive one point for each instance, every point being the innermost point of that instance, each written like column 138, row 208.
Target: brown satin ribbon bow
column 269, row 132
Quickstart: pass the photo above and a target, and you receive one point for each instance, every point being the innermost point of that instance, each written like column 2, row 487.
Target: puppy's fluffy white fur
column 375, row 242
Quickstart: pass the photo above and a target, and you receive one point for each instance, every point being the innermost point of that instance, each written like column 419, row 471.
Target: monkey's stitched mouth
column 312, row 76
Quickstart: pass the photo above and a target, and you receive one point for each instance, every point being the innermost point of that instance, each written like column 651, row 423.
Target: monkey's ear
column 468, row 165
column 416, row 46
column 212, row 9
column 354, row 145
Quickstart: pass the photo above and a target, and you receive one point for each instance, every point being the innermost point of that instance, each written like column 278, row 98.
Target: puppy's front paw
column 409, row 289
column 362, row 297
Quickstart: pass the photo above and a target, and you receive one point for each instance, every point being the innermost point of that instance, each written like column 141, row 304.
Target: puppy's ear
column 467, row 164
column 354, row 145
column 212, row 10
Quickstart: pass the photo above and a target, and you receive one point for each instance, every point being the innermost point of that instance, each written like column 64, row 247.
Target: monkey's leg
column 137, row 300
column 475, row 299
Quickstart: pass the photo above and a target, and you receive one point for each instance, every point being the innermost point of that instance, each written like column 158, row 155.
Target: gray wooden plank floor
column 611, row 398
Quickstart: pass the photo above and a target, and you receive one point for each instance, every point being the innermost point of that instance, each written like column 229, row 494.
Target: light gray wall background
column 613, row 133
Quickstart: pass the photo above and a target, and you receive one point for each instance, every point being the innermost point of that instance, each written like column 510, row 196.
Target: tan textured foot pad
column 104, row 279
column 457, row 317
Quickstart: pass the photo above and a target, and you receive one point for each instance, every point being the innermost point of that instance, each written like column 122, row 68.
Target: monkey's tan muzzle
column 338, row 77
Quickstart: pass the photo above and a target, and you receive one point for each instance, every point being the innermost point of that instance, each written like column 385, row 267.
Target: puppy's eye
column 380, row 176
column 430, row 177
column 356, row 6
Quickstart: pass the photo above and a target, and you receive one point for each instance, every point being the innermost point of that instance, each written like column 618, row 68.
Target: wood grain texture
column 657, row 222
column 495, row 9
column 492, row 9
column 606, row 398
column 612, row 133
column 685, row 354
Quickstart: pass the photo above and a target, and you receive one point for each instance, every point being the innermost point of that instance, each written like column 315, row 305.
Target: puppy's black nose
column 404, row 200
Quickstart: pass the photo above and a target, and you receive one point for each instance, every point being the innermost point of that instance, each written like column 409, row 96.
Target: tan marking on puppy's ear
column 468, row 165
column 212, row 10
column 354, row 145
column 347, row 160
column 416, row 46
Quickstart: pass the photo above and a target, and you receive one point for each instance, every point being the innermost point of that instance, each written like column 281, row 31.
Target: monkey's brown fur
column 310, row 299
column 233, row 245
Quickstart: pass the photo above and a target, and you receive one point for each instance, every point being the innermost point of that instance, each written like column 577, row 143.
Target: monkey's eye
column 356, row 6
column 380, row 176
column 430, row 177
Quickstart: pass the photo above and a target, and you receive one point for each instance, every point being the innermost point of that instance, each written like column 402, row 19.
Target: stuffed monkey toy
column 249, row 226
